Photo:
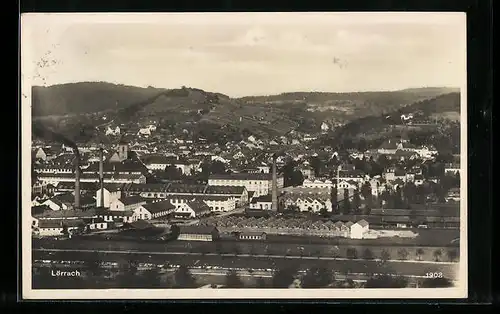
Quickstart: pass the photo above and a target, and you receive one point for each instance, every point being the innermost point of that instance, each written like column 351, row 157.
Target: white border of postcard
column 32, row 20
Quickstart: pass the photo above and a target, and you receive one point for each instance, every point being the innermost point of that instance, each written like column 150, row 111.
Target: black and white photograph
column 244, row 155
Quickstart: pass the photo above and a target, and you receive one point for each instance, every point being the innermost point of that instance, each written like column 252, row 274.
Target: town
column 151, row 207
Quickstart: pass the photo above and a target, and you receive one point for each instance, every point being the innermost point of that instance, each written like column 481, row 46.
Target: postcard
column 244, row 155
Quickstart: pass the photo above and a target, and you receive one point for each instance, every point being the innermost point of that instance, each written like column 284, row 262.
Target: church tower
column 123, row 150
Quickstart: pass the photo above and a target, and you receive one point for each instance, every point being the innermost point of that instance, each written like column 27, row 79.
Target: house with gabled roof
column 388, row 147
column 198, row 233
column 154, row 210
column 127, row 203
column 359, row 229
column 192, row 209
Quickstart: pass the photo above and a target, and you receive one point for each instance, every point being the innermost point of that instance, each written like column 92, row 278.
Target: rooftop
column 197, row 229
column 160, row 206
column 242, row 176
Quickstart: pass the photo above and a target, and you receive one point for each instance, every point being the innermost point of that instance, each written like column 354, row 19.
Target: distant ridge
column 200, row 110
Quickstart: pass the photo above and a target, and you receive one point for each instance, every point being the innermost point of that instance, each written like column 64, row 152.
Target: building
column 54, row 168
column 60, row 202
column 148, row 190
column 55, row 179
column 260, row 183
column 219, row 203
column 359, row 229
column 342, row 229
column 111, row 131
column 159, row 162
column 252, row 236
column 98, row 224
column 127, row 203
column 393, row 174
column 191, row 209
column 309, row 204
column 262, row 202
column 389, row 147
column 121, row 154
column 307, row 171
column 453, row 195
column 324, row 127
column 239, row 193
column 53, row 227
column 198, row 233
column 452, row 169
column 144, row 132
column 116, row 216
column 326, row 184
column 69, row 187
column 154, row 210
column 112, row 192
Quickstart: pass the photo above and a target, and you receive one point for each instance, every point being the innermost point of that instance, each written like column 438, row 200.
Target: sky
column 242, row 54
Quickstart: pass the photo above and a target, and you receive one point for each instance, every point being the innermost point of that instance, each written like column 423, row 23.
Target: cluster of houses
column 356, row 230
column 128, row 196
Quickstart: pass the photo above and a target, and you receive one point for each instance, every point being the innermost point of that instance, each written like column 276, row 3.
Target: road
column 247, row 261
column 241, row 247
column 326, row 258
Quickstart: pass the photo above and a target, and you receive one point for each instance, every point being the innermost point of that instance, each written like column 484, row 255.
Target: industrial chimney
column 274, row 186
column 101, row 176
column 77, row 178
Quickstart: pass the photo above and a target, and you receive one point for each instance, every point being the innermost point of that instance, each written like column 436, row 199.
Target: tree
column 172, row 173
column 366, row 191
column 437, row 255
column 317, row 277
column 352, row 253
column 283, row 277
column 356, row 202
column 236, row 249
column 386, row 281
column 452, row 255
column 409, row 192
column 151, row 278
column 368, row 254
column 419, row 253
column 323, row 212
column 261, row 283
column 385, row 256
column 94, row 265
column 127, row 277
column 385, row 196
column 317, row 164
column 346, row 203
column 65, row 230
column 218, row 247
column 398, row 198
column 183, row 278
column 291, row 176
column 436, row 283
column 346, row 284
column 175, row 230
column 217, row 167
column 334, row 198
column 252, row 250
column 233, row 280
column 403, row 254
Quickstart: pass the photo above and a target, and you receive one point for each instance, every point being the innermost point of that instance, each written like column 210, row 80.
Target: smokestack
column 101, row 176
column 77, row 179
column 274, row 186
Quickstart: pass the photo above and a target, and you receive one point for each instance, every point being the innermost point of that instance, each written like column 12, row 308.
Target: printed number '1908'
column 434, row 275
